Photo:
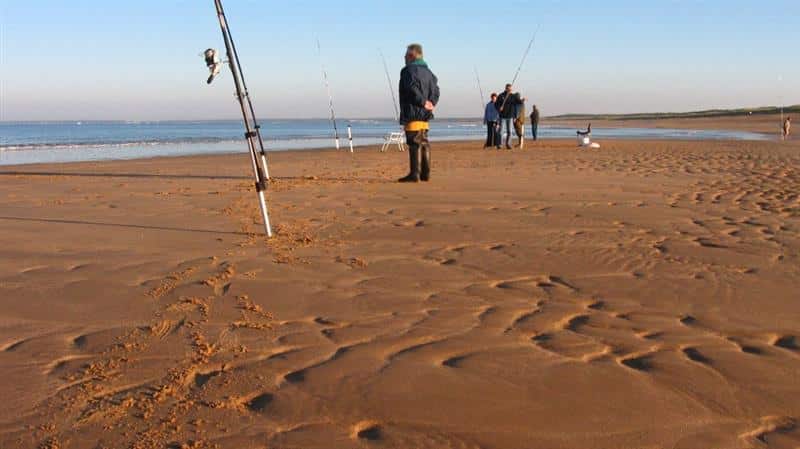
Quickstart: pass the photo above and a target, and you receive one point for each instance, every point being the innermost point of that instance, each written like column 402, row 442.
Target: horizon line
column 345, row 119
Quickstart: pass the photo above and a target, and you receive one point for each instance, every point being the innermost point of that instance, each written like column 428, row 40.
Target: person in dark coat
column 535, row 122
column 419, row 95
column 491, row 118
column 508, row 104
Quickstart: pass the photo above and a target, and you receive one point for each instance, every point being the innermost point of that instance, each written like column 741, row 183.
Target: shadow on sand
column 188, row 176
column 118, row 225
column 119, row 175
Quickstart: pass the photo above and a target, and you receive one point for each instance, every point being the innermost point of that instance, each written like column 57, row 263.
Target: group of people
column 419, row 95
column 505, row 112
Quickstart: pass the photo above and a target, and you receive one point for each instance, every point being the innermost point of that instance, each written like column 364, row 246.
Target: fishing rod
column 350, row 136
column 252, row 129
column 780, row 80
column 522, row 63
column 235, row 59
column 330, row 95
column 391, row 87
column 392, row 137
column 525, row 55
column 480, row 88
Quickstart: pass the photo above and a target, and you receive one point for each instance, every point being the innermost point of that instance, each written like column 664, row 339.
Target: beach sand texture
column 641, row 296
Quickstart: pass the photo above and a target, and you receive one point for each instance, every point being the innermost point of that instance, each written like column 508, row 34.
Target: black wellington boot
column 413, row 159
column 425, row 170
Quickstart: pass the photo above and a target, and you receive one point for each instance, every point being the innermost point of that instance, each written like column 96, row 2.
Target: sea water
column 73, row 141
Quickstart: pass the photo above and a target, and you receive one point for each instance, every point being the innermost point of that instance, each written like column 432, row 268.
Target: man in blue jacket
column 419, row 94
column 491, row 118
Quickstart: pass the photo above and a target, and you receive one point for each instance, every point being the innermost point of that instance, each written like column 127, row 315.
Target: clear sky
column 139, row 60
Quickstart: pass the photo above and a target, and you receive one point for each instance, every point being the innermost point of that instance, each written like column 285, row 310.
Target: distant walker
column 535, row 123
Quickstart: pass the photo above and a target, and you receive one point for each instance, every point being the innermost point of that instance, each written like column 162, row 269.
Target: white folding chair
column 394, row 138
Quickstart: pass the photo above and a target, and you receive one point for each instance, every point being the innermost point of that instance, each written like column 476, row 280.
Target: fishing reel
column 213, row 62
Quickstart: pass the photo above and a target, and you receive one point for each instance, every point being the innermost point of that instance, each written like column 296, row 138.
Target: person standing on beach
column 787, row 127
column 419, row 94
column 519, row 123
column 535, row 122
column 491, row 118
column 507, row 103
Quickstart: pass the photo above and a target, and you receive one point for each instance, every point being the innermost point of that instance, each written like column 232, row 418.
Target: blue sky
column 139, row 60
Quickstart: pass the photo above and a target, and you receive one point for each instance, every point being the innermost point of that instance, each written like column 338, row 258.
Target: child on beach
column 787, row 127
column 491, row 118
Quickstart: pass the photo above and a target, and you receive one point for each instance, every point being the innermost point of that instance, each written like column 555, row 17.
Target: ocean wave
column 111, row 144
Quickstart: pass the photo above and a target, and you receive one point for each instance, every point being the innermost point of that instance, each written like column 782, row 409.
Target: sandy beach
column 644, row 295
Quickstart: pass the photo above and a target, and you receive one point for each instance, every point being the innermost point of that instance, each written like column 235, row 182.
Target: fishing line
column 480, row 88
column 330, row 95
column 522, row 63
column 525, row 56
column 391, row 88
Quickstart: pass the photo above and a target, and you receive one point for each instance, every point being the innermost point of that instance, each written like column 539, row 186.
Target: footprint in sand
column 638, row 363
column 786, row 342
column 455, row 361
column 367, row 430
column 745, row 348
column 260, row 402
column 695, row 355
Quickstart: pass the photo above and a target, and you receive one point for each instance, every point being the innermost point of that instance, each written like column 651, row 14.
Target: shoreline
column 376, row 146
column 158, row 141
column 630, row 296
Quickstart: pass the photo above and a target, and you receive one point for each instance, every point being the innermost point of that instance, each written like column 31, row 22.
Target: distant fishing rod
column 780, row 80
column 480, row 88
column 525, row 55
column 522, row 63
column 330, row 95
column 391, row 86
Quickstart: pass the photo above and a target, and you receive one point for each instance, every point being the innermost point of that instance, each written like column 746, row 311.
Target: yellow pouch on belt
column 417, row 126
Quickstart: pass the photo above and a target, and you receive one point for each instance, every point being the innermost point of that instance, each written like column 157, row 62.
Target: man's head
column 534, row 107
column 413, row 52
column 509, row 87
column 494, row 97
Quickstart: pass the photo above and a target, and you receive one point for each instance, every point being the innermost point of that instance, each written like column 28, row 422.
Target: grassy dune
column 709, row 113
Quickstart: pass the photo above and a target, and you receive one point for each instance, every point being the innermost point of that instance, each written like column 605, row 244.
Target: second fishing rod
column 522, row 63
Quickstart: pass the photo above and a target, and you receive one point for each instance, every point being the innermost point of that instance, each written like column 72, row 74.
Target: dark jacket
column 535, row 116
column 510, row 106
column 417, row 85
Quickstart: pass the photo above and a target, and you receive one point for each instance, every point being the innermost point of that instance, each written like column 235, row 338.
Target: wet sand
column 643, row 295
column 769, row 124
